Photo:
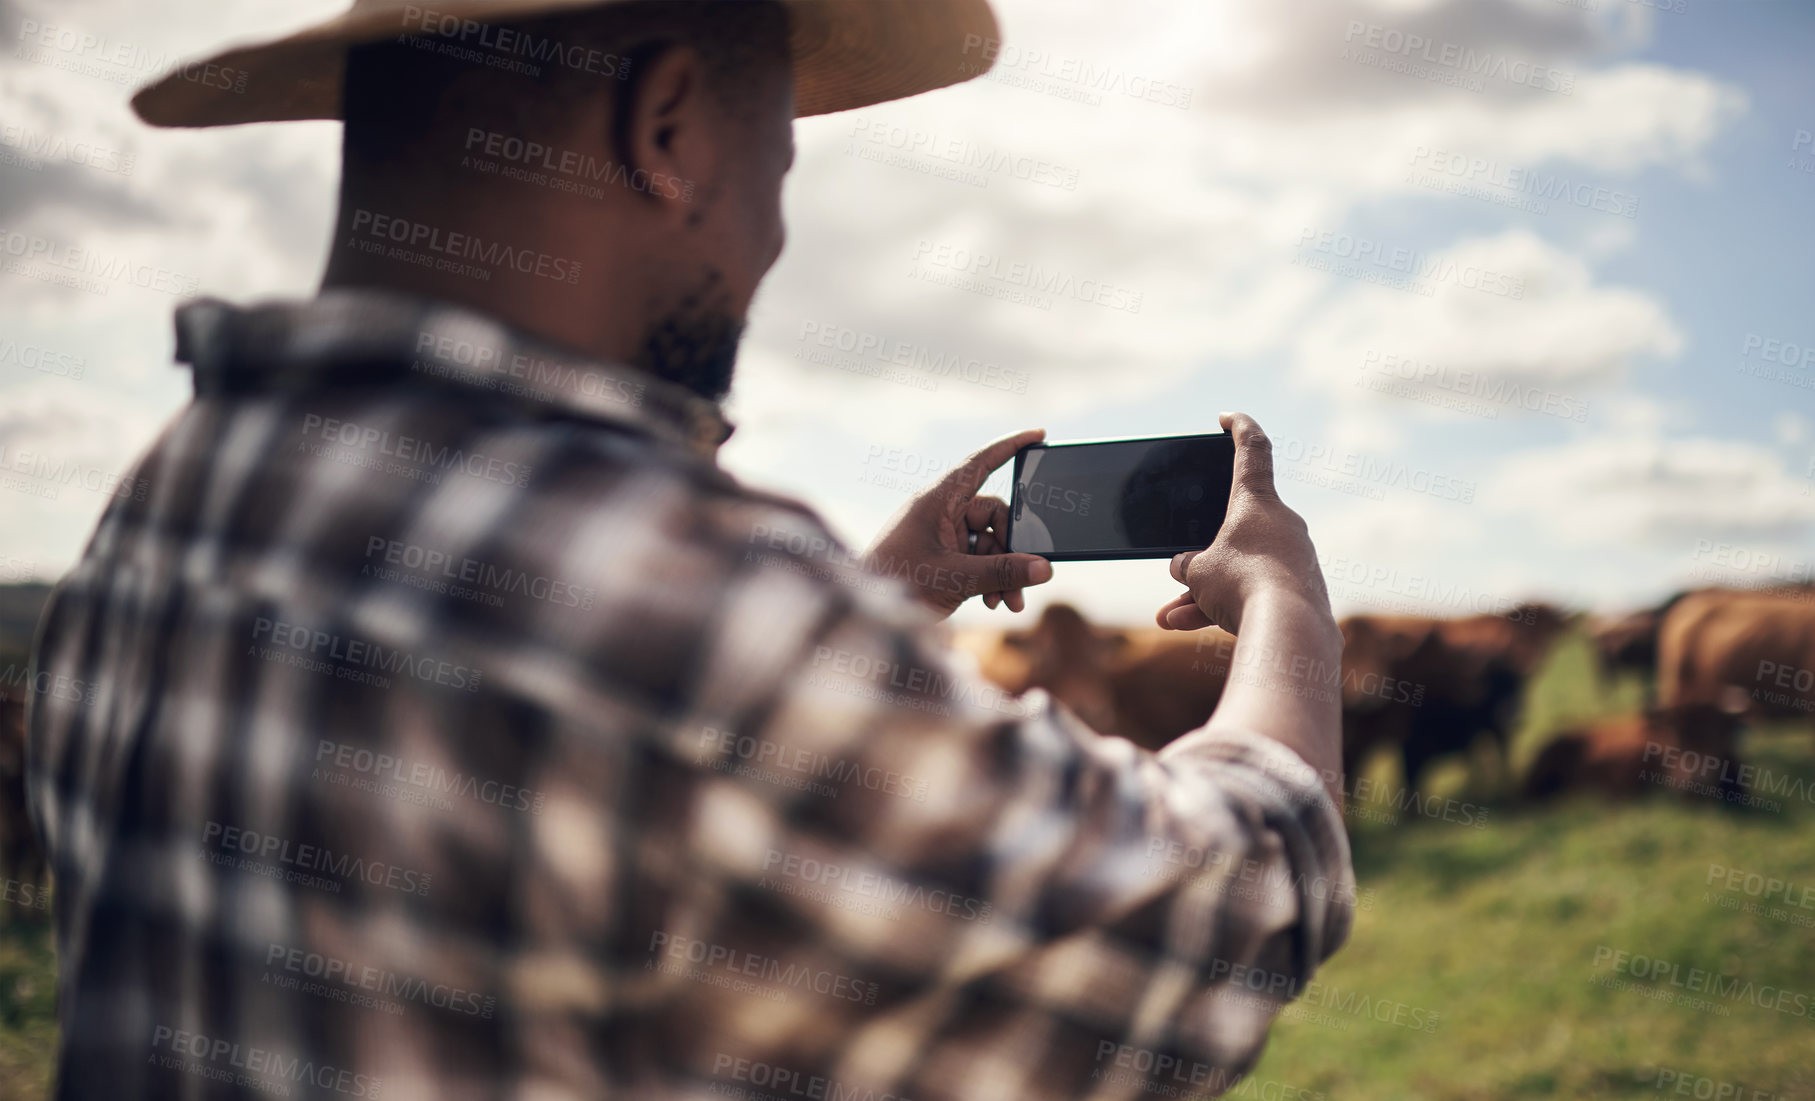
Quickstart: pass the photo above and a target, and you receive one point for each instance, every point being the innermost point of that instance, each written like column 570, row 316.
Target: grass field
column 1497, row 929
column 27, row 1003
column 1492, row 937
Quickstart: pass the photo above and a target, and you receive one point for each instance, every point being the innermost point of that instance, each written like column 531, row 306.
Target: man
column 461, row 730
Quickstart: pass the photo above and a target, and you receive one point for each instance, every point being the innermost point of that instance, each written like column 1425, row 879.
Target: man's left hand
column 928, row 543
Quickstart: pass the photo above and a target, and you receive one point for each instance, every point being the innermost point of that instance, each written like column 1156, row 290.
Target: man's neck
column 569, row 293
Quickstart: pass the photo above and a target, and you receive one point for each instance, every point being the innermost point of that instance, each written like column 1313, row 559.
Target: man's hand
column 928, row 541
column 1263, row 548
column 1260, row 580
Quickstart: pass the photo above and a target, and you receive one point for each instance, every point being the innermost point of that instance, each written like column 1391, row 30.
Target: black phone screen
column 1146, row 498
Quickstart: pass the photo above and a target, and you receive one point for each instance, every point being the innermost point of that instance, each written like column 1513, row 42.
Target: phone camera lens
column 1196, row 493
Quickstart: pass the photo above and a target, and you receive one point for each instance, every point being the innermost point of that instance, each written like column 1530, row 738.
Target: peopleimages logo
column 426, row 776
column 355, row 659
column 722, row 749
column 1776, row 360
column 1655, row 976
column 564, row 169
column 774, row 1083
column 39, row 148
column 767, row 969
column 1024, row 276
column 962, row 153
column 1085, row 80
column 85, row 268
column 1463, row 60
column 1410, row 266
column 85, row 53
column 1383, row 473
column 1420, row 590
column 423, row 459
column 16, row 680
column 49, row 475
column 259, row 1068
column 1168, row 1075
column 863, row 345
column 1786, row 352
column 507, row 44
column 1423, row 374
column 1682, row 1083
column 379, row 981
column 452, row 247
column 33, row 358
column 868, row 885
column 35, row 896
column 438, row 571
column 281, row 858
column 1546, row 186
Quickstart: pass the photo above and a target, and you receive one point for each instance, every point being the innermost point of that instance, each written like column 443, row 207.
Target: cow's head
column 1629, row 642
column 1535, row 626
column 1064, row 654
column 1061, row 646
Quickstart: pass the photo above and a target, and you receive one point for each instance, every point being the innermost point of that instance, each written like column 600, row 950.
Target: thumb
column 996, row 573
column 1253, row 457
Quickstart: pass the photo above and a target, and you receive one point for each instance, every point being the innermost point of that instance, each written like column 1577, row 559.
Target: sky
column 1520, row 288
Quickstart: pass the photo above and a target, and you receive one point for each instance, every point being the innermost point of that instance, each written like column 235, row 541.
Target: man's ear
column 665, row 133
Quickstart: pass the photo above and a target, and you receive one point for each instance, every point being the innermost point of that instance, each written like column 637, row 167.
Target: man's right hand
column 1263, row 548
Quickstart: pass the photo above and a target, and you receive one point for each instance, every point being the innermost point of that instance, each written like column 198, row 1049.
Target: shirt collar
column 364, row 335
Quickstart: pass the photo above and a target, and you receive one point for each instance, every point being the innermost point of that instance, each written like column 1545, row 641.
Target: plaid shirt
column 444, row 723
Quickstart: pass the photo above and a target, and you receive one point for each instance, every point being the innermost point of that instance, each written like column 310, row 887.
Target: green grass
column 28, row 1033
column 1494, row 929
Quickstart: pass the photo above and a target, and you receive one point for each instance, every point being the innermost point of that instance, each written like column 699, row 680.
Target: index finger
column 964, row 480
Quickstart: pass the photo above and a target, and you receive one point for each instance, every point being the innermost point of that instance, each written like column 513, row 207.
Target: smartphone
column 1148, row 497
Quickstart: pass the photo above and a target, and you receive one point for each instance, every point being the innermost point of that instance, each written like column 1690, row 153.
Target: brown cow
column 20, row 858
column 1465, row 677
column 1662, row 749
column 1425, row 686
column 1146, row 685
column 1630, row 642
column 1748, row 652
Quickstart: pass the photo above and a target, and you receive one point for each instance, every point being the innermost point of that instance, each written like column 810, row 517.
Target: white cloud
column 1647, row 487
column 1790, row 427
column 1196, row 209
column 65, row 449
column 1564, row 336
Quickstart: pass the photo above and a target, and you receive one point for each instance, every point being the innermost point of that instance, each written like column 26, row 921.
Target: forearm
column 1285, row 683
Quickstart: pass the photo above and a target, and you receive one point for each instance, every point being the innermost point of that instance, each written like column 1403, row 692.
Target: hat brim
column 846, row 54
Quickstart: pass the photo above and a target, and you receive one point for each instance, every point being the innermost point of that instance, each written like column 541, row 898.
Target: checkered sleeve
column 1019, row 906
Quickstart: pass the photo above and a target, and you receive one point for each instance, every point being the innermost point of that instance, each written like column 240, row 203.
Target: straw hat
column 847, row 53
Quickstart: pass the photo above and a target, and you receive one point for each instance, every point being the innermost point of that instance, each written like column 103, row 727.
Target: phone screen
column 1147, row 498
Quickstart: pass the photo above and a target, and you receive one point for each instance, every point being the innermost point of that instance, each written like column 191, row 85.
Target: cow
column 1690, row 749
column 1424, row 686
column 1466, row 677
column 1147, row 685
column 1749, row 652
column 21, row 860
column 1629, row 643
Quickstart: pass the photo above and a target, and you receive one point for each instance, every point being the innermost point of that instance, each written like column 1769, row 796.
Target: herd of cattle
column 1421, row 687
column 1427, row 688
